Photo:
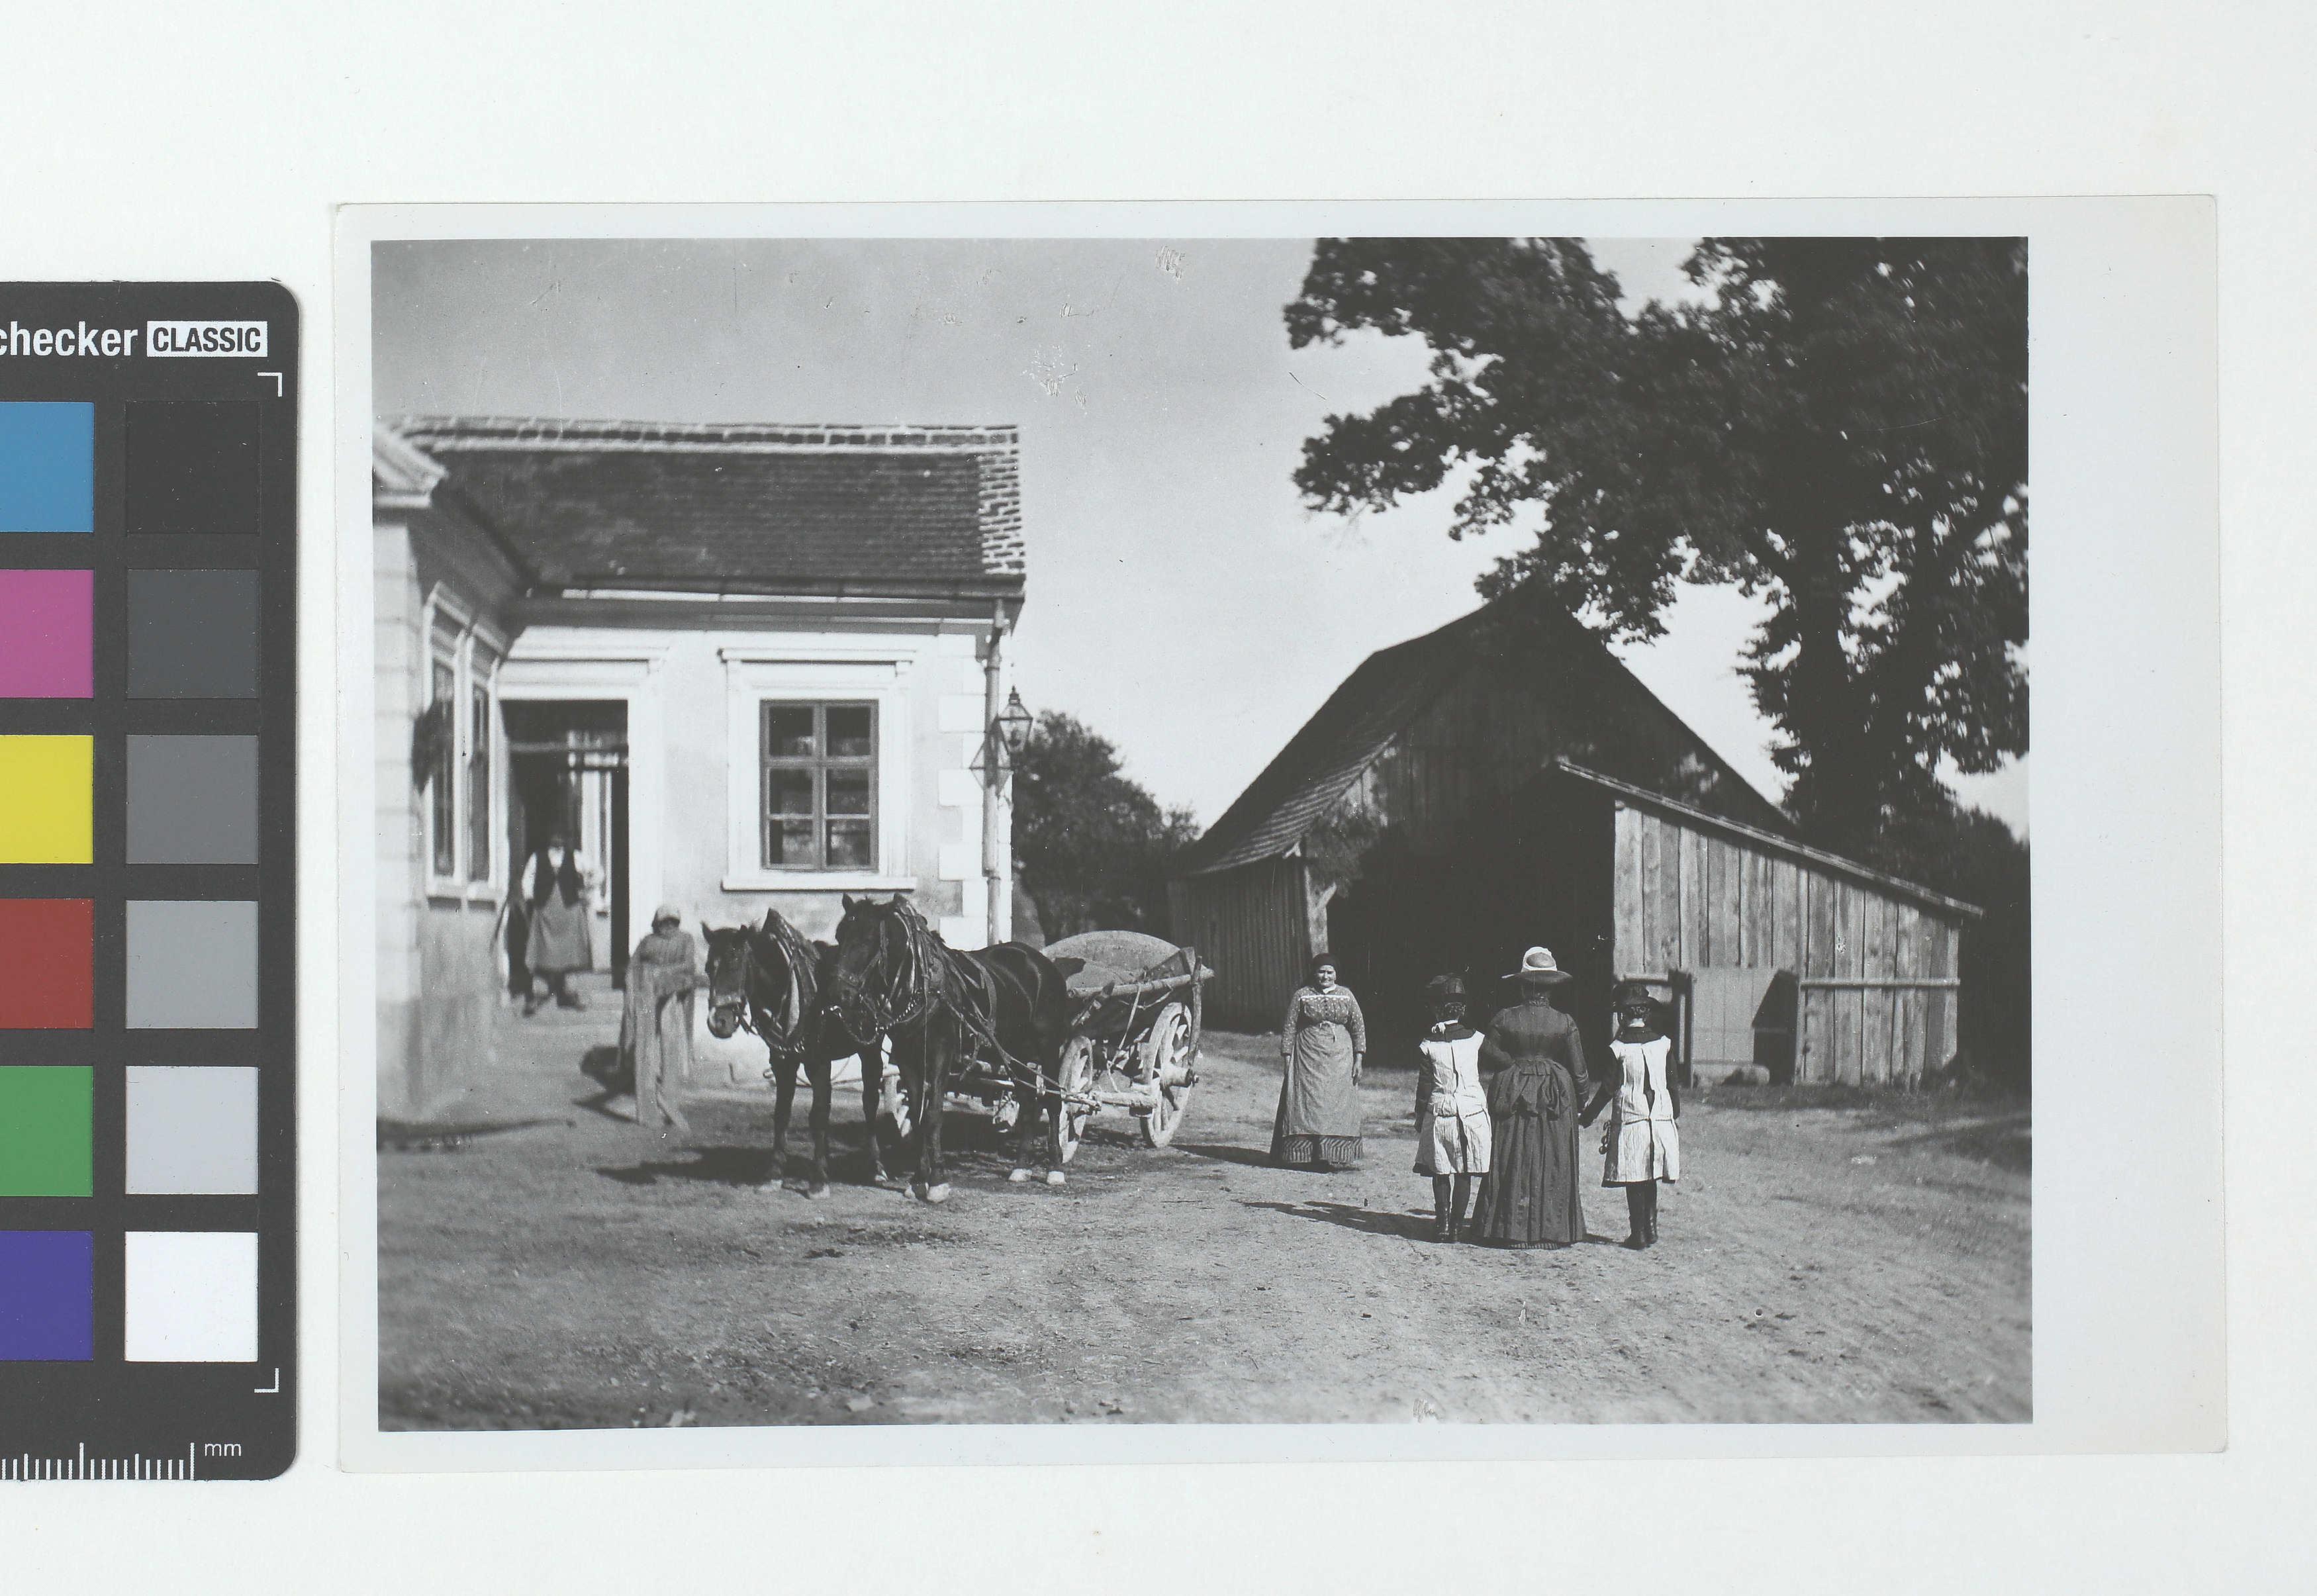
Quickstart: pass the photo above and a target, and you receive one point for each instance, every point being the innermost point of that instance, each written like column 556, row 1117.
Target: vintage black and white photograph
column 1141, row 831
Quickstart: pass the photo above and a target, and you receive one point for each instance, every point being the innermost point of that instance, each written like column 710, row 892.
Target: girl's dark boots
column 1464, row 1194
column 1640, row 1222
column 1444, row 1216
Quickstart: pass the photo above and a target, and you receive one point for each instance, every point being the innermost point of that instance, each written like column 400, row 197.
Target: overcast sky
column 1181, row 600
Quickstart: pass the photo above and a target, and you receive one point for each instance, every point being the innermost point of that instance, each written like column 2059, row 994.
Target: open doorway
column 1526, row 872
column 569, row 772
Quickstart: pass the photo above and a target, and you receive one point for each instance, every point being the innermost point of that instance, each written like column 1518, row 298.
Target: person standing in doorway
column 1642, row 1144
column 560, row 892
column 1323, row 1042
column 1532, row 1195
column 1452, row 1110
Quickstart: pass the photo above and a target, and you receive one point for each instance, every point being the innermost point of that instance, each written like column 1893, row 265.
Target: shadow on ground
column 1374, row 1222
column 1254, row 1158
column 2006, row 1140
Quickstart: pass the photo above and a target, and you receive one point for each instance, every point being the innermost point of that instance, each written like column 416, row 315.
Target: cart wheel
column 1075, row 1070
column 1167, row 1065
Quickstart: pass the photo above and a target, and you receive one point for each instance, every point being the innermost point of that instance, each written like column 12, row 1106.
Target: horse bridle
column 790, row 1045
column 919, row 977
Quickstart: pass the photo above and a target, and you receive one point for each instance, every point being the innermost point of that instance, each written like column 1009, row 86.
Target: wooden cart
column 1134, row 1033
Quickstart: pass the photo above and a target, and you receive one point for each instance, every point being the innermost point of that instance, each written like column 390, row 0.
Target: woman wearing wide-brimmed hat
column 1532, row 1195
column 1643, row 1145
column 1452, row 1107
column 1321, row 1042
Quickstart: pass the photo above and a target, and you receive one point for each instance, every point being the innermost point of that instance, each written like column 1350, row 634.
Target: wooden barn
column 1505, row 782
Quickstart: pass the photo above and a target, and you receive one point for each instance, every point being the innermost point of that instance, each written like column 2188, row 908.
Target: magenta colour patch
column 44, row 633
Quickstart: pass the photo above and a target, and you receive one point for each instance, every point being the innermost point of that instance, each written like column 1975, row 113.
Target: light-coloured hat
column 667, row 912
column 1536, row 964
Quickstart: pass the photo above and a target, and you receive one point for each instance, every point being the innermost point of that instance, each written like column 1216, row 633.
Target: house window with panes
column 443, row 782
column 478, row 748
column 462, row 811
column 819, row 786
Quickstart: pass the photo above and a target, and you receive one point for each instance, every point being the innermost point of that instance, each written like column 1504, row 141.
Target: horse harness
column 930, row 969
column 792, row 1046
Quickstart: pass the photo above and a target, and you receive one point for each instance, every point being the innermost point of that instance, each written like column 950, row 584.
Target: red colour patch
column 45, row 960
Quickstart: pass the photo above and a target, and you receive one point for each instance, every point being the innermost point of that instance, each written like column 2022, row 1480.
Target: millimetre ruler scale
column 80, row 1465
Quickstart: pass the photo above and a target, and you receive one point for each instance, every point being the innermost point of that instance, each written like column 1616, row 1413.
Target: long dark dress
column 1320, row 1042
column 1532, row 1194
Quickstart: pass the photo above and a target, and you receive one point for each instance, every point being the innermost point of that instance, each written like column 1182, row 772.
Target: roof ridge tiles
column 454, row 432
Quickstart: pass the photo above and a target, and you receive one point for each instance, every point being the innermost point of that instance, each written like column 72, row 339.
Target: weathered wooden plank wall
column 1252, row 927
column 1878, row 993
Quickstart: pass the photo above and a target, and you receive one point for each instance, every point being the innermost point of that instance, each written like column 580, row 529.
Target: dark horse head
column 888, row 969
column 761, row 978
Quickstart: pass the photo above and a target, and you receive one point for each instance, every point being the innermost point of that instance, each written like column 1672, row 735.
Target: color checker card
column 147, row 771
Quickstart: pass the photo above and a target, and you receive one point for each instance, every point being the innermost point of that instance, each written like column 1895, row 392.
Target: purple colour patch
column 44, row 1295
column 44, row 633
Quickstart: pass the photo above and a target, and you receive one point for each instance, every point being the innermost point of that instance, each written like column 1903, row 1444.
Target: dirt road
column 1850, row 1261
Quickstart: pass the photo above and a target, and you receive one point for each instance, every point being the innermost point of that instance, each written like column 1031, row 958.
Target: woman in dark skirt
column 1532, row 1195
column 558, row 890
column 1321, row 1042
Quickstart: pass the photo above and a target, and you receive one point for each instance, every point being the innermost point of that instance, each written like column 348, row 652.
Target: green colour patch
column 44, row 1130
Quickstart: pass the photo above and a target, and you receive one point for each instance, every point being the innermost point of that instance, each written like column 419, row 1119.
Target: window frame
column 473, row 654
column 822, row 764
column 803, row 669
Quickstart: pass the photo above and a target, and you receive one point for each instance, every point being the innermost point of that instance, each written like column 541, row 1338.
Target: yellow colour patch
column 44, row 800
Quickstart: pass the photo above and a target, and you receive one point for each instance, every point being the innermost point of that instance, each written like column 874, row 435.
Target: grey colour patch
column 192, row 634
column 192, row 965
column 192, row 801
column 191, row 1130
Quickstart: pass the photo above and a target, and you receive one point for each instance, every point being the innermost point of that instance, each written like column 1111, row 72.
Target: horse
column 770, row 980
column 1006, row 1005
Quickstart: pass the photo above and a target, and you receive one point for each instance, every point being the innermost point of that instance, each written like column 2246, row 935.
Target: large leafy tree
column 1840, row 429
column 1094, row 847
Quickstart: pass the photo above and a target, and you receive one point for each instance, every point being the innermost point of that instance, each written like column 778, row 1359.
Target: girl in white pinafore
column 1643, row 1145
column 1453, row 1134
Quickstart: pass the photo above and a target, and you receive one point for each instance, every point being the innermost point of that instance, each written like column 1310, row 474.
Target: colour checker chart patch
column 147, row 774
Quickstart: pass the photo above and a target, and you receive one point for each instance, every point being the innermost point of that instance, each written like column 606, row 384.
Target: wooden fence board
column 1875, row 1061
column 1733, row 904
column 1819, row 892
column 1689, row 852
column 1787, row 907
column 1626, row 894
column 1649, row 846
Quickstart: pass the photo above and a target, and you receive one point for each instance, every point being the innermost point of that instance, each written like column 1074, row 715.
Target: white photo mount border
column 2128, row 1266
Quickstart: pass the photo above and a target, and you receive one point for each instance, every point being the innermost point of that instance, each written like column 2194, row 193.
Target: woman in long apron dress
column 1452, row 1136
column 558, row 892
column 1643, row 1145
column 1531, row 1195
column 1323, row 1042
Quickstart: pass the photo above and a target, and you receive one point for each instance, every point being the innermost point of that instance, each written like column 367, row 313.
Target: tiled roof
column 1530, row 646
column 736, row 508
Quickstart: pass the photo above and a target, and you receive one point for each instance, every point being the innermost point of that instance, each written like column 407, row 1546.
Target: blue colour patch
column 45, row 1308
column 48, row 467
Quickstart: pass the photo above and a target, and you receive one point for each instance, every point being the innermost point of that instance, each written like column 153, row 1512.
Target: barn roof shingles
column 1390, row 689
column 736, row 508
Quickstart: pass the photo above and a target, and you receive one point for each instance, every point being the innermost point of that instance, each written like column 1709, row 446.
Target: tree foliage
column 1841, row 430
column 1093, row 847
column 1971, row 854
